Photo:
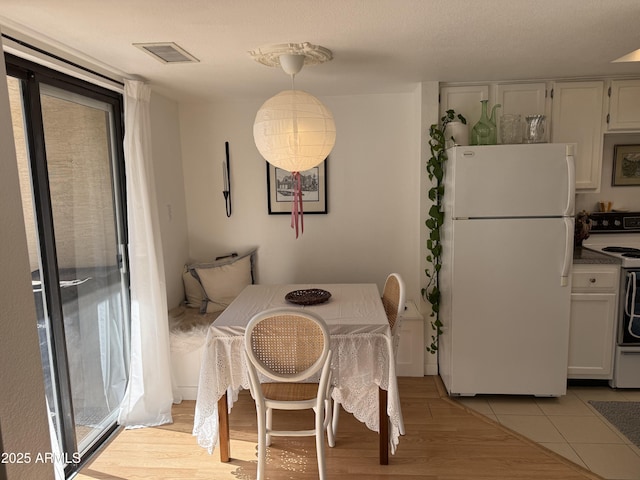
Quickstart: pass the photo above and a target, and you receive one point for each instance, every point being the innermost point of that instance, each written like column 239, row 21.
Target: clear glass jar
column 511, row 128
column 535, row 129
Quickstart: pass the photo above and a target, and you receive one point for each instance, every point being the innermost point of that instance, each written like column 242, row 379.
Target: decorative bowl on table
column 309, row 296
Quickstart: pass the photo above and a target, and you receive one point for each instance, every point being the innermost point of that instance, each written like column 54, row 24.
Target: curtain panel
column 148, row 398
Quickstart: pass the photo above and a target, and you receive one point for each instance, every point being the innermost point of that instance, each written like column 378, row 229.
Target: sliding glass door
column 68, row 142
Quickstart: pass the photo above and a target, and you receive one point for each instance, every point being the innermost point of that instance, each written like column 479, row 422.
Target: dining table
column 363, row 366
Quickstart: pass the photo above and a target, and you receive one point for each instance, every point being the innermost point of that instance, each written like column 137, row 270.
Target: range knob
column 617, row 222
column 605, row 223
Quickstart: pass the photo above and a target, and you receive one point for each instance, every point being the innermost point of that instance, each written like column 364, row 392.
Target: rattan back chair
column 288, row 348
column 393, row 300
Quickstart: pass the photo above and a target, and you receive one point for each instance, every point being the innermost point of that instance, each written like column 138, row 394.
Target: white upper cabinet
column 624, row 105
column 465, row 100
column 576, row 113
column 519, row 98
column 577, row 117
column 522, row 98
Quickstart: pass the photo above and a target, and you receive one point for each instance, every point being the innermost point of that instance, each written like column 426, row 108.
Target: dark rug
column 625, row 416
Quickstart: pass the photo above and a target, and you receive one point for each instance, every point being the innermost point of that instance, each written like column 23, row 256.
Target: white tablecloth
column 360, row 340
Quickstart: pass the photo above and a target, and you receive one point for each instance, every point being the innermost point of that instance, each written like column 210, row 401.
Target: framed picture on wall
column 626, row 165
column 314, row 190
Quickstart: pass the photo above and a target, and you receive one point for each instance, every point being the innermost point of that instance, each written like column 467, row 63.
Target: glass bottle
column 485, row 131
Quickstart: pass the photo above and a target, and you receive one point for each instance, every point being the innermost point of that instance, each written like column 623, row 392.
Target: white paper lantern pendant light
column 293, row 130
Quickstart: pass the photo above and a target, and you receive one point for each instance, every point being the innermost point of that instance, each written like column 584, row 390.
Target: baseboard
column 188, row 393
column 431, row 369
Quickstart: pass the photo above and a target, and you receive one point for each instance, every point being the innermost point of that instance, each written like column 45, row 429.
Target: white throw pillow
column 222, row 272
column 223, row 283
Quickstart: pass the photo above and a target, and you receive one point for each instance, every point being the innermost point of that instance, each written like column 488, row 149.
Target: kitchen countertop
column 584, row 255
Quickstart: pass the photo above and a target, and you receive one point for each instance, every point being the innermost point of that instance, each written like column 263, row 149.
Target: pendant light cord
column 297, row 215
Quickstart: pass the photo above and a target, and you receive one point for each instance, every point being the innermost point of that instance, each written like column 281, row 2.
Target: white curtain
column 148, row 398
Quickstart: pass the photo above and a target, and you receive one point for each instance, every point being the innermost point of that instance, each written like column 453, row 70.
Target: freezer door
column 509, row 325
column 511, row 181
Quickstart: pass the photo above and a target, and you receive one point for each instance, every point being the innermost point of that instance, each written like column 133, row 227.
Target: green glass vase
column 485, row 131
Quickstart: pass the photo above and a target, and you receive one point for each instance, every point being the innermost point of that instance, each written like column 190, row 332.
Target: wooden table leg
column 223, row 427
column 384, row 427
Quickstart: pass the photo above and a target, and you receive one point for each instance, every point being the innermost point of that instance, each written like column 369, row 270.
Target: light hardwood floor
column 444, row 441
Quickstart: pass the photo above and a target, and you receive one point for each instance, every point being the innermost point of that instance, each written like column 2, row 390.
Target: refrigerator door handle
column 571, row 181
column 568, row 251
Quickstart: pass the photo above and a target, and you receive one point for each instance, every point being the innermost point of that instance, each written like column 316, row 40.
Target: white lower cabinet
column 410, row 356
column 594, row 299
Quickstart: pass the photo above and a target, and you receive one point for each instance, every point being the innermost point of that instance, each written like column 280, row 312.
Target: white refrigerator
column 505, row 278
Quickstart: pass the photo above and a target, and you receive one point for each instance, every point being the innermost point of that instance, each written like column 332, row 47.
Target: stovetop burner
column 622, row 250
column 629, row 255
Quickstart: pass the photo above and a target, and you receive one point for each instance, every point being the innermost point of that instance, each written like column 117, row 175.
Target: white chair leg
column 269, row 425
column 262, row 444
column 336, row 414
column 320, row 444
column 328, row 423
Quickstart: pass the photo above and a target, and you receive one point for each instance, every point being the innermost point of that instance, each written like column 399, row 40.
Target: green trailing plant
column 434, row 222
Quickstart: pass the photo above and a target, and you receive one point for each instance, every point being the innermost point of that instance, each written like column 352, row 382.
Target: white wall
column 23, row 420
column 170, row 193
column 374, row 190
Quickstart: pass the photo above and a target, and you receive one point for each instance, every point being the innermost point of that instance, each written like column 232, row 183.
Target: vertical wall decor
column 226, row 178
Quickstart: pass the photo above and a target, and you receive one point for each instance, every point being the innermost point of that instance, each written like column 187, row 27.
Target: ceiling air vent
column 167, row 52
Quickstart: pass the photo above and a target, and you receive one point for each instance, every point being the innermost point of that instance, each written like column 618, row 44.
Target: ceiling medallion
column 270, row 55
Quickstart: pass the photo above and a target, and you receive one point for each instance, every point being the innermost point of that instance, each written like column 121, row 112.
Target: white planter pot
column 459, row 131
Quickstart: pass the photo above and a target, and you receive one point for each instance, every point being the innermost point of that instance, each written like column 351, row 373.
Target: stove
column 625, row 247
column 616, row 234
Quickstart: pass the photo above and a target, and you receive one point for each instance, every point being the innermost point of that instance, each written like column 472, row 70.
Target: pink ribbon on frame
column 297, row 204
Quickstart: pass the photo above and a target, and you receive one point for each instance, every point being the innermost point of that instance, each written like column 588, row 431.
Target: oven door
column 630, row 315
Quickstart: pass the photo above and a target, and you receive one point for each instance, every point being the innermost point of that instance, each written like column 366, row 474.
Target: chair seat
column 288, row 392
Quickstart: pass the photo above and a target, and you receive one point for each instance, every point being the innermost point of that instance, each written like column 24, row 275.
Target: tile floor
column 570, row 426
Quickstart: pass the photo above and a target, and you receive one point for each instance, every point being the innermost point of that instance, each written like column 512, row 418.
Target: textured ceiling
column 379, row 46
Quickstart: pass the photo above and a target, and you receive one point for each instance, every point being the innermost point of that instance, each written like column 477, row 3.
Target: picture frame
column 314, row 190
column 626, row 166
